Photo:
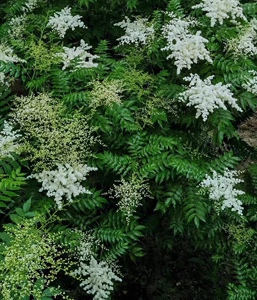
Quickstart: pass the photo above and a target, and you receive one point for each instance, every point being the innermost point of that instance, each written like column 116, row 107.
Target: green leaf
column 19, row 211
column 137, row 251
column 47, row 292
column 7, row 168
column 30, row 214
column 5, row 237
column 10, row 194
column 27, row 205
column 15, row 218
column 196, row 221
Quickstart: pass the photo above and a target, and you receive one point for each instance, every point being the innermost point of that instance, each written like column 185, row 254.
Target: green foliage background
column 175, row 245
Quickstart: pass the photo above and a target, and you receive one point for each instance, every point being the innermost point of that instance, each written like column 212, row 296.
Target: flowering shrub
column 159, row 100
column 35, row 251
column 55, row 139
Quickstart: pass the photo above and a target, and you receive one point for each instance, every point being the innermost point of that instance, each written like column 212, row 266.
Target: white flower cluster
column 251, row 84
column 78, row 57
column 88, row 244
column 219, row 10
column 8, row 138
column 99, row 278
column 222, row 188
column 130, row 195
column 63, row 20
column 246, row 42
column 138, row 32
column 63, row 182
column 17, row 26
column 7, row 55
column 205, row 96
column 106, row 92
column 3, row 80
column 29, row 6
column 186, row 48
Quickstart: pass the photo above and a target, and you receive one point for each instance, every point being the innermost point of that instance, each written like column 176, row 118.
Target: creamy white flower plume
column 63, row 20
column 246, row 42
column 219, row 10
column 251, row 84
column 130, row 195
column 29, row 6
column 222, row 188
column 78, row 57
column 17, row 26
column 8, row 140
column 186, row 48
column 97, row 277
column 7, row 55
column 206, row 97
column 63, row 182
column 4, row 80
column 137, row 32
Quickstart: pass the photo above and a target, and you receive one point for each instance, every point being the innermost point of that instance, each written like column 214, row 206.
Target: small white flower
column 130, row 195
column 17, row 26
column 251, row 84
column 78, row 57
column 219, row 10
column 106, row 92
column 138, row 32
column 222, row 188
column 7, row 55
column 29, row 6
column 8, row 138
column 63, row 182
column 3, row 79
column 186, row 48
column 246, row 42
column 206, row 97
column 63, row 20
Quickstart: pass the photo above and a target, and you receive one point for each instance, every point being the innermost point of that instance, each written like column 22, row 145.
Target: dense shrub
column 128, row 163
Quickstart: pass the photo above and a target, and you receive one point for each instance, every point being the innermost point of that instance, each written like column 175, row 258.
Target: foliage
column 79, row 97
